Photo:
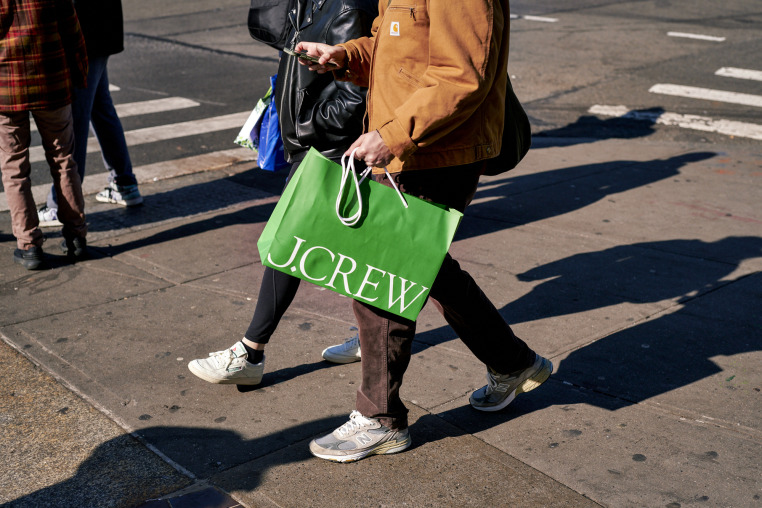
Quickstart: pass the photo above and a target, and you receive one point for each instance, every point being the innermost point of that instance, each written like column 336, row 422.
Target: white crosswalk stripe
column 708, row 94
column 703, row 37
column 147, row 107
column 695, row 122
column 163, row 132
column 156, row 171
column 163, row 169
column 734, row 72
column 154, row 106
column 541, row 19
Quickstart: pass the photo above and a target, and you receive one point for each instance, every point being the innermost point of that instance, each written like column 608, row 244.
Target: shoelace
column 355, row 423
column 223, row 358
column 351, row 343
column 493, row 385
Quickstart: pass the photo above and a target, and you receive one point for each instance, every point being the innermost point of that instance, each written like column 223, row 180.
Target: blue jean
column 94, row 105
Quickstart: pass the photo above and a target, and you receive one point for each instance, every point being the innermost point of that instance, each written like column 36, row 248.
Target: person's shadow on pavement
column 712, row 317
column 589, row 129
column 122, row 473
column 638, row 273
column 531, row 197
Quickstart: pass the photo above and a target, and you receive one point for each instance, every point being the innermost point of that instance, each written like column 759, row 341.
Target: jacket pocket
column 409, row 78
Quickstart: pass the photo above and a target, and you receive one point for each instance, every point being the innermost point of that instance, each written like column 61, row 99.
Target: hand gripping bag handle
column 347, row 169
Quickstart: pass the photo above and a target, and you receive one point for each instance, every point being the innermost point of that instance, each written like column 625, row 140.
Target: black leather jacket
column 314, row 109
column 102, row 26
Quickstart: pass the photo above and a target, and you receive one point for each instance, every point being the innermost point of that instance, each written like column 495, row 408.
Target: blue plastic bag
column 271, row 156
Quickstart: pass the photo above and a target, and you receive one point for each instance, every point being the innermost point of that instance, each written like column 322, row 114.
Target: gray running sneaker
column 125, row 195
column 501, row 389
column 229, row 367
column 358, row 438
column 347, row 352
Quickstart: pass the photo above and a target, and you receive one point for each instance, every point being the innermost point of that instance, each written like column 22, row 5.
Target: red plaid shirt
column 42, row 54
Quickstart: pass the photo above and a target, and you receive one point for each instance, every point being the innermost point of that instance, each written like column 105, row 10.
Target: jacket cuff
column 353, row 69
column 397, row 140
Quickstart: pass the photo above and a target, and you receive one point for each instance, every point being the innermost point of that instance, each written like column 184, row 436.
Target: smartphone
column 303, row 55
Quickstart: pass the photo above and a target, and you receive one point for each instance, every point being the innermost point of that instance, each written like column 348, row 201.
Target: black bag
column 517, row 136
column 268, row 21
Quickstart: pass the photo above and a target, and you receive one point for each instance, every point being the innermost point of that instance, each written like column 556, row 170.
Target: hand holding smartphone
column 304, row 56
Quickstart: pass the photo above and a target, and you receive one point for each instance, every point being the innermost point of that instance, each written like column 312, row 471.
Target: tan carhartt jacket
column 437, row 72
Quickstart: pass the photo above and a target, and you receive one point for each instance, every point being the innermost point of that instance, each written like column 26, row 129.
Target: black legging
column 276, row 292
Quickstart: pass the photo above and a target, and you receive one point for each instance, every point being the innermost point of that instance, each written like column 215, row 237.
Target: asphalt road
column 566, row 58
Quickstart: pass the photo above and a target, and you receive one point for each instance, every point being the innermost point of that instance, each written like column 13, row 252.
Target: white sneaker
column 358, row 438
column 229, row 366
column 344, row 353
column 125, row 195
column 48, row 217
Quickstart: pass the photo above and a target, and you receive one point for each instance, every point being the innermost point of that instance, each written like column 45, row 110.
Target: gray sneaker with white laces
column 125, row 195
column 358, row 438
column 228, row 367
column 501, row 389
column 347, row 352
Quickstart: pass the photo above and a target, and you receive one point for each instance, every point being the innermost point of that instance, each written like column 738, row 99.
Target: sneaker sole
column 123, row 202
column 386, row 448
column 29, row 264
column 50, row 223
column 221, row 381
column 339, row 359
column 530, row 384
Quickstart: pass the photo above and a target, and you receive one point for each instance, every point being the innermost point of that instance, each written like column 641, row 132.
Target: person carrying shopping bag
column 314, row 111
column 437, row 77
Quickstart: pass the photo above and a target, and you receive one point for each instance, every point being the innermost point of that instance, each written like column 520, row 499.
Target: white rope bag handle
column 347, row 169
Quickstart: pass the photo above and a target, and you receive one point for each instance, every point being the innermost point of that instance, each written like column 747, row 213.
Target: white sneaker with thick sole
column 358, row 438
column 347, row 352
column 229, row 367
column 48, row 217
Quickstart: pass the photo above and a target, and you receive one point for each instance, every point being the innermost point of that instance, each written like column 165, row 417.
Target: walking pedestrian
column 437, row 73
column 103, row 28
column 42, row 54
column 314, row 111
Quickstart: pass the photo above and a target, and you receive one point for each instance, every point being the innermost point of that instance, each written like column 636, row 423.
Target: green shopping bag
column 357, row 237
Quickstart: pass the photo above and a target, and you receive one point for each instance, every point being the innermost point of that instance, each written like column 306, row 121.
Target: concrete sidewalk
column 635, row 266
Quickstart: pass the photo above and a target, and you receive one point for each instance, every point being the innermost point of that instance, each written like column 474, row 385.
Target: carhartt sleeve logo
column 394, row 29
